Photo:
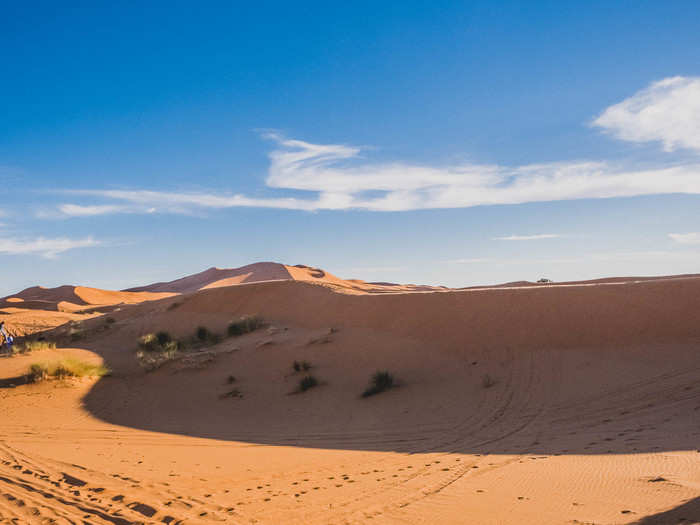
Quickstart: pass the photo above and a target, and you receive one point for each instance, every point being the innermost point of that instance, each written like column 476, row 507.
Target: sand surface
column 592, row 417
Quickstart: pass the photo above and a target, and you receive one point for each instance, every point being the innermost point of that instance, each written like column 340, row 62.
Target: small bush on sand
column 110, row 320
column 298, row 366
column 174, row 305
column 487, row 381
column 231, row 379
column 235, row 393
column 203, row 333
column 245, row 325
column 156, row 349
column 204, row 336
column 37, row 372
column 307, row 382
column 64, row 369
column 28, row 346
column 379, row 382
column 159, row 342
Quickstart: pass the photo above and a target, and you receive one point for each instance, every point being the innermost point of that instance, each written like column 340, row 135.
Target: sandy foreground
column 593, row 416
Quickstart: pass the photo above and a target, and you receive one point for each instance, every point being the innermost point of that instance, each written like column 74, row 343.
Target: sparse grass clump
column 160, row 342
column 204, row 336
column 63, row 369
column 235, row 393
column 487, row 381
column 245, row 325
column 203, row 333
column 380, row 381
column 156, row 349
column 298, row 366
column 307, row 382
column 28, row 346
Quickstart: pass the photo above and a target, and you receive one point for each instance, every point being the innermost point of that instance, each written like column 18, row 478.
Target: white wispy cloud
column 338, row 177
column 686, row 238
column 667, row 111
column 146, row 201
column 528, row 237
column 42, row 246
column 76, row 210
column 338, row 183
column 474, row 260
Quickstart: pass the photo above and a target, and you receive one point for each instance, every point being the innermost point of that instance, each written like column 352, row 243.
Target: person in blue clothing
column 6, row 338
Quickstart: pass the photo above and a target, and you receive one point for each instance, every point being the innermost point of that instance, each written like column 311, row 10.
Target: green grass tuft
column 380, row 381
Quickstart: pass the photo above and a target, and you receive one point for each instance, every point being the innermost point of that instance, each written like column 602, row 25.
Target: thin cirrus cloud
column 668, row 111
column 686, row 238
column 336, row 177
column 536, row 237
column 48, row 248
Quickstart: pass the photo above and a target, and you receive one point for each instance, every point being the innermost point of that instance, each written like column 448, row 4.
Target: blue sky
column 455, row 144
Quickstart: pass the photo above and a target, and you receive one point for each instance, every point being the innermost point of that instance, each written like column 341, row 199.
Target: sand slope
column 270, row 271
column 592, row 417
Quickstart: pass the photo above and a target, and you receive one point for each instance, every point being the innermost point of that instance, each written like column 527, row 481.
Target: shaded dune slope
column 578, row 369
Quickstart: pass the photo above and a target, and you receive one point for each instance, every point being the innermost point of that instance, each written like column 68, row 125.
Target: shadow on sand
column 687, row 513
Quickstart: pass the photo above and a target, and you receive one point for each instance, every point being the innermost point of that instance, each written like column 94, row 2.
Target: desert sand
column 515, row 404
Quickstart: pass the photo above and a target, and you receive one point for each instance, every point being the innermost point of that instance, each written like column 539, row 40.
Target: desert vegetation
column 381, row 381
column 64, row 369
column 156, row 349
column 299, row 366
column 307, row 382
column 487, row 381
column 234, row 393
column 245, row 325
column 32, row 345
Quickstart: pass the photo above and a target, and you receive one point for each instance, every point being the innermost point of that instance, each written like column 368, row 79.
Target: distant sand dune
column 269, row 271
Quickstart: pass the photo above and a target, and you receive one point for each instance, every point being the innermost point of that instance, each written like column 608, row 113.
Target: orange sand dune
column 270, row 271
column 74, row 298
column 525, row 404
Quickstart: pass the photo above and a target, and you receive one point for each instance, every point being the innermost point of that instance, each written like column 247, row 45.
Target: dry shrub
column 63, row 369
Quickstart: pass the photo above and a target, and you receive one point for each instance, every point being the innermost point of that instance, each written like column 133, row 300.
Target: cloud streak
column 686, row 238
column 528, row 237
column 328, row 172
column 667, row 111
column 48, row 248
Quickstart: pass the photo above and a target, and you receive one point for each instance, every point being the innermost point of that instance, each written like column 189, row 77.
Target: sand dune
column 590, row 414
column 74, row 298
column 269, row 271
